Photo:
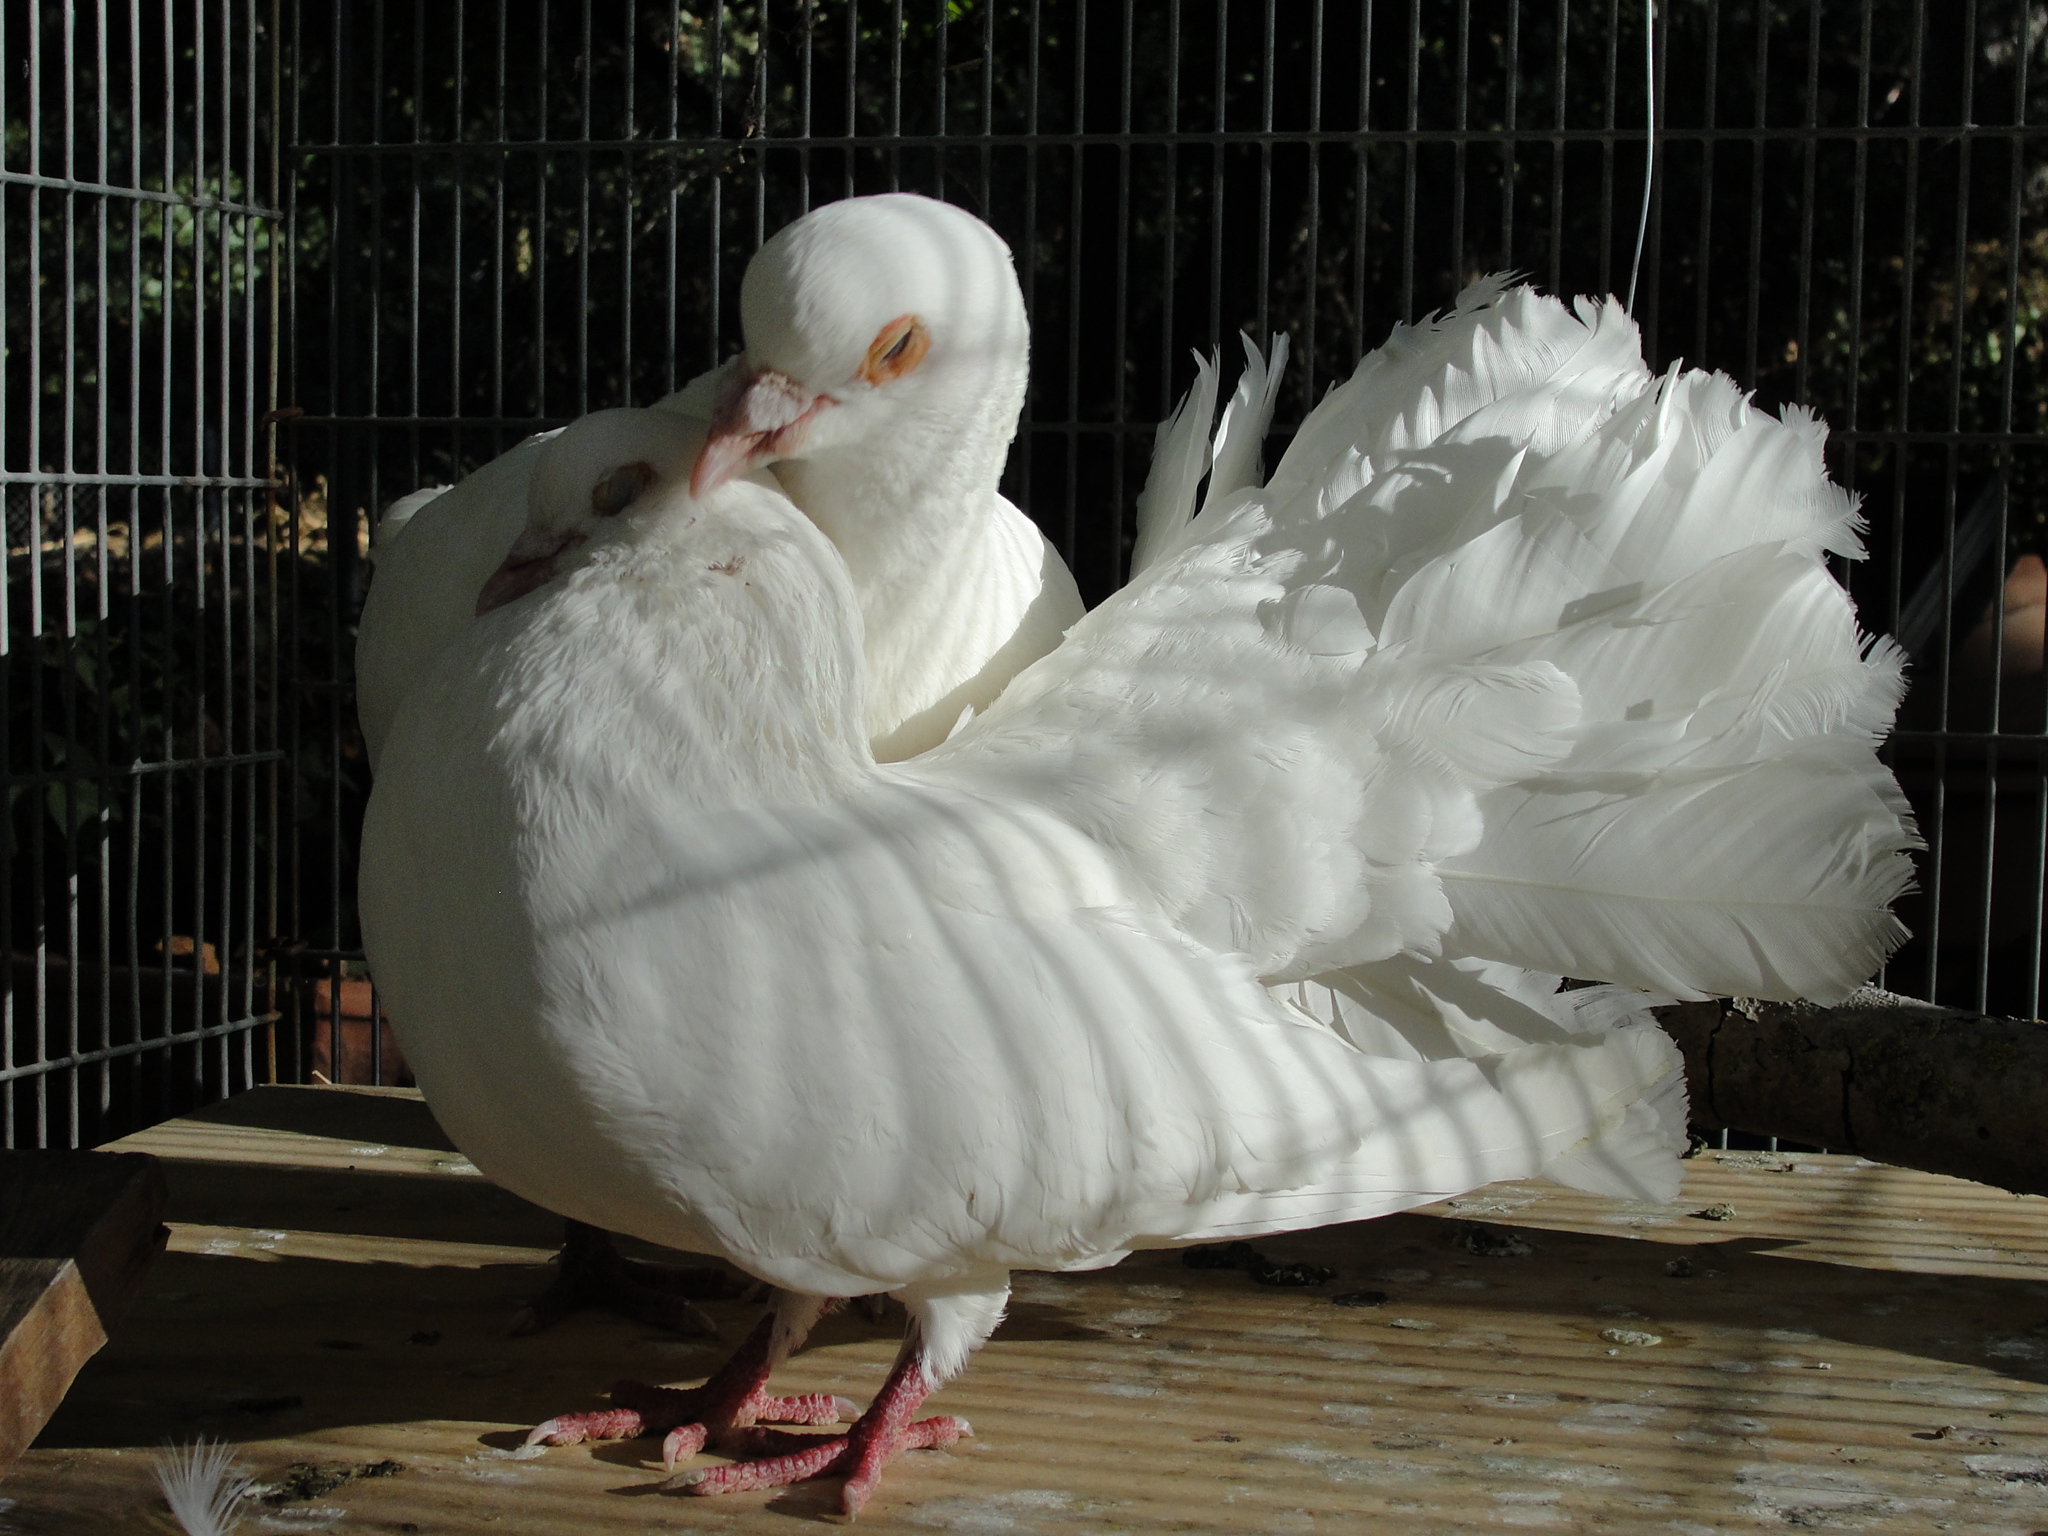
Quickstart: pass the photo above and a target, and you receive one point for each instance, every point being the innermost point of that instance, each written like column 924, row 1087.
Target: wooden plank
column 1854, row 1348
column 77, row 1230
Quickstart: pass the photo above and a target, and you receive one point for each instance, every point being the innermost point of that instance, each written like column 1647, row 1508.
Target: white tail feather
column 1180, row 456
column 202, row 1483
column 1234, row 461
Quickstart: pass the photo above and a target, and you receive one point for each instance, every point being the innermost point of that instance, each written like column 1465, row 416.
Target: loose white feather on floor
column 204, row 1486
column 632, row 874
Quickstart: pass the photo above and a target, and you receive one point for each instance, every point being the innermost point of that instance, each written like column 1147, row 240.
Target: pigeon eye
column 621, row 488
column 897, row 349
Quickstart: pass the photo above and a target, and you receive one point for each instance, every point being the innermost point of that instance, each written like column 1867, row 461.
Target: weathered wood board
column 77, row 1230
column 1854, row 1347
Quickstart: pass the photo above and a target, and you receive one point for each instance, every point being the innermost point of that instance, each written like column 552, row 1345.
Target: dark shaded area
column 1895, row 1080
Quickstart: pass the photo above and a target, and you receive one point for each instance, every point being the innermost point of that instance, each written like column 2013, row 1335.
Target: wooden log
column 1894, row 1079
column 77, row 1230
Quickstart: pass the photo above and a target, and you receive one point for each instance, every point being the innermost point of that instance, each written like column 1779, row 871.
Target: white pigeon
column 959, row 590
column 1523, row 661
column 903, row 430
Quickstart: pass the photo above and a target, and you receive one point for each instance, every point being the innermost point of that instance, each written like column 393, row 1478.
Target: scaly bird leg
column 877, row 1438
column 949, row 1319
column 591, row 1272
column 735, row 1398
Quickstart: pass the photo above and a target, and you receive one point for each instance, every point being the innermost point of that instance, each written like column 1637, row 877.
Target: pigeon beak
column 529, row 565
column 761, row 416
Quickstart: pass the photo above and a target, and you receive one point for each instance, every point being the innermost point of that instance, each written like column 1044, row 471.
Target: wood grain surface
column 77, row 1230
column 1839, row 1346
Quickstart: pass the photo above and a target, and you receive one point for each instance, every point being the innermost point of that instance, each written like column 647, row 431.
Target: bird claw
column 575, row 1428
column 681, row 1443
column 686, row 1418
column 783, row 1458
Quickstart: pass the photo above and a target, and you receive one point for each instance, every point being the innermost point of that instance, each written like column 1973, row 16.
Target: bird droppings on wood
column 1632, row 1336
column 1264, row 1271
column 304, row 1480
column 1490, row 1242
column 1360, row 1299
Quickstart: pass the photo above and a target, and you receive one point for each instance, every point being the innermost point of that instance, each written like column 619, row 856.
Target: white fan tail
column 1525, row 654
column 1180, row 456
column 1234, row 461
column 1182, row 451
column 1575, row 1109
column 1420, row 1010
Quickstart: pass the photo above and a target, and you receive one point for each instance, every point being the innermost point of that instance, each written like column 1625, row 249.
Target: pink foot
column 678, row 1411
column 791, row 1458
column 686, row 1417
column 877, row 1438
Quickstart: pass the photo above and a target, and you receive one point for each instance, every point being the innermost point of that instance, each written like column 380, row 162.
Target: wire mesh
column 138, row 683
column 505, row 213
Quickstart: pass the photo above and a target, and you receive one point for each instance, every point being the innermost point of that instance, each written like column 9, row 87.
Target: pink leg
column 876, row 1438
column 687, row 1417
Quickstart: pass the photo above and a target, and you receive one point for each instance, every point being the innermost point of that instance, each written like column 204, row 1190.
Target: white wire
column 1635, row 269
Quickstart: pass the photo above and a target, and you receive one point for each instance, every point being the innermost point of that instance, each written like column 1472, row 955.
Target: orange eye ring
column 897, row 349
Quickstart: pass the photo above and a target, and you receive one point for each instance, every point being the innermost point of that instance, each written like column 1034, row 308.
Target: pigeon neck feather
column 946, row 573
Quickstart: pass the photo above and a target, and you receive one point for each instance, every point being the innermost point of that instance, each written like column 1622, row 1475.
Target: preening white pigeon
column 1209, row 925
column 903, row 429
column 959, row 591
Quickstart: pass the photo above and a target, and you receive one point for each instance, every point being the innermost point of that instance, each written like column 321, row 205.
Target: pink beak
column 529, row 565
column 761, row 416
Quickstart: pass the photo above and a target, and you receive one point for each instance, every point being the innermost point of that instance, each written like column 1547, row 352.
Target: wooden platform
column 77, row 1232
column 1852, row 1347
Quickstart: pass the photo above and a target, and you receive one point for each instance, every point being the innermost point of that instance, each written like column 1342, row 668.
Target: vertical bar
column 629, row 194
column 1069, row 546
column 1122, row 442
column 1461, row 120
column 1802, row 335
column 1753, row 315
column 1609, row 121
column 1704, row 244
column 1029, row 278
column 1411, row 150
column 583, row 162
column 1510, row 137
column 1312, row 256
column 1265, row 258
column 1169, row 261
column 1561, row 119
column 1362, row 193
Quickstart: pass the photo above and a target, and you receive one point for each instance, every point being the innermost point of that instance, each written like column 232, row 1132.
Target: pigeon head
column 609, row 472
column 878, row 323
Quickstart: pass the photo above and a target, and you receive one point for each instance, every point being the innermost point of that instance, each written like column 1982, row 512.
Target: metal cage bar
column 140, row 744
column 503, row 213
column 1853, row 197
